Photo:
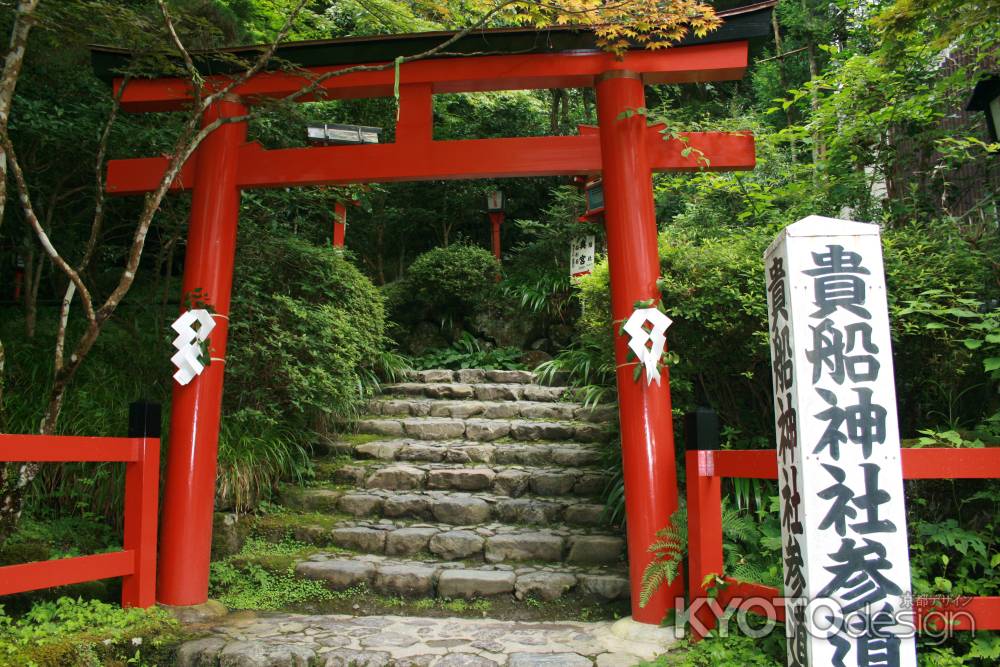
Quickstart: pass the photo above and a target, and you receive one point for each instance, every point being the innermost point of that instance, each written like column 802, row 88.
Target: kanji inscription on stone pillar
column 843, row 525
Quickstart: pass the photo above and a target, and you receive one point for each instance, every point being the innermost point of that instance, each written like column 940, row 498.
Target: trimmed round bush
column 456, row 279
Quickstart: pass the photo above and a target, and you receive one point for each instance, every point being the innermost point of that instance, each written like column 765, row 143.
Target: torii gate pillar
column 189, row 497
column 644, row 409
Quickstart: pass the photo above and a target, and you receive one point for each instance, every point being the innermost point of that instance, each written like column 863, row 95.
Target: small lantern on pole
column 495, row 209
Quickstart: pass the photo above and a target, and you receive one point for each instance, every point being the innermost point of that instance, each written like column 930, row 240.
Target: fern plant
column 748, row 554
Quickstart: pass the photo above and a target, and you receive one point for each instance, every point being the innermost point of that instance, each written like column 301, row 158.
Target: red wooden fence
column 136, row 563
column 705, row 470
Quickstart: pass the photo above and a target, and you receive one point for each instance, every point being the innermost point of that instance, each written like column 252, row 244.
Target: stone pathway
column 295, row 640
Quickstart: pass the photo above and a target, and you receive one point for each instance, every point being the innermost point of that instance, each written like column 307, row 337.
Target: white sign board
column 581, row 256
column 843, row 525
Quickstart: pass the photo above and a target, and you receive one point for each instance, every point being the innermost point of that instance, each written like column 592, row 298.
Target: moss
column 360, row 438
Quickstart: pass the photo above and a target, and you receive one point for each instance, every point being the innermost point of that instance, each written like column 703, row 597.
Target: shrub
column 453, row 280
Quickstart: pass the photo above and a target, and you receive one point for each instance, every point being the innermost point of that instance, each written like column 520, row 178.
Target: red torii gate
column 623, row 150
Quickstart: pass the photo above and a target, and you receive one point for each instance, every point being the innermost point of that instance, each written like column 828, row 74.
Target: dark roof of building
column 985, row 92
column 747, row 22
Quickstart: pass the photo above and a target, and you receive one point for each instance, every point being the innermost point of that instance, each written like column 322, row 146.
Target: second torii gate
column 624, row 151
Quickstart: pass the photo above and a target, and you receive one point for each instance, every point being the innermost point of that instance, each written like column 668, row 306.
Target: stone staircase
column 466, row 484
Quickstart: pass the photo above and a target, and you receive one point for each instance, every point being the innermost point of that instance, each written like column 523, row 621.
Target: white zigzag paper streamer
column 188, row 343
column 648, row 355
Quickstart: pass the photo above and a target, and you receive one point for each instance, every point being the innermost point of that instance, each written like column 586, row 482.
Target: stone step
column 431, row 407
column 513, row 481
column 471, row 375
column 491, row 543
column 483, row 391
column 483, row 430
column 449, row 507
column 464, row 451
column 421, row 578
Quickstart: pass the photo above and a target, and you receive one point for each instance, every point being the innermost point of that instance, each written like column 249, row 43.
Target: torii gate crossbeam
column 624, row 150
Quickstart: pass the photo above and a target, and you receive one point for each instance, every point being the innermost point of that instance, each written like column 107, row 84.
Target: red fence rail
column 136, row 562
column 705, row 469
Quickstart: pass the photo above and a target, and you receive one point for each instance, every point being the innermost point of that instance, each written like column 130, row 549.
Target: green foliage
column 747, row 555
column 716, row 651
column 468, row 352
column 81, row 632
column 453, row 280
column 244, row 580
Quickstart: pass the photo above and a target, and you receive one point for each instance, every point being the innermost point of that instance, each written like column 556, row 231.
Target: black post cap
column 144, row 420
column 701, row 429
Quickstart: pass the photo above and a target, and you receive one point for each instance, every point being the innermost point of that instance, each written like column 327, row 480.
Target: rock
column 512, row 482
column 602, row 414
column 474, row 583
column 605, row 586
column 384, row 450
column 547, row 411
column 577, row 456
column 498, row 392
column 461, row 479
column 435, row 376
column 229, row 532
column 541, row 430
column 312, row 500
column 397, row 477
column 585, row 515
column 590, row 433
column 589, row 485
column 471, row 375
column 510, row 377
column 524, row 546
column 457, row 391
column 417, row 451
column 399, row 407
column 407, row 580
column 345, row 657
column 552, row 483
column 338, row 574
column 380, row 426
column 434, row 428
column 359, row 538
column 200, row 652
column 461, row 511
column 206, row 612
column 594, row 549
column 486, row 429
column 408, row 505
column 360, row 504
column 546, row 586
column 456, row 544
column 533, row 392
column 528, row 511
column 465, row 660
column 504, row 410
column 424, row 660
column 464, row 409
column 350, row 475
column 408, row 541
column 311, row 534
column 548, row 660
column 258, row 654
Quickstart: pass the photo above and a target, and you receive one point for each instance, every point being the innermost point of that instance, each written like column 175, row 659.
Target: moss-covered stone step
column 429, row 407
column 514, row 481
column 503, row 452
column 483, row 430
column 419, row 578
column 492, row 543
column 479, row 375
column 449, row 507
column 482, row 391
